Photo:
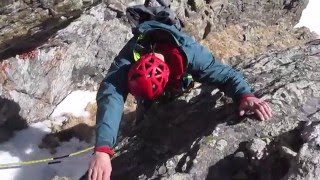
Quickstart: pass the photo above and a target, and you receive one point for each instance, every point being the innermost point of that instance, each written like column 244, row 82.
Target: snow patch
column 75, row 104
column 24, row 147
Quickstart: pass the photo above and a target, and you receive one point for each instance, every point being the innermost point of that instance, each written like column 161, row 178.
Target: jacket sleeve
column 206, row 69
column 110, row 103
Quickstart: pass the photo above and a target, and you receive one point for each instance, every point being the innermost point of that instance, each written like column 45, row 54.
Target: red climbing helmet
column 148, row 77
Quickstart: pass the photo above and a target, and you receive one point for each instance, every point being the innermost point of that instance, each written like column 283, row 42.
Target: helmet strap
column 153, row 47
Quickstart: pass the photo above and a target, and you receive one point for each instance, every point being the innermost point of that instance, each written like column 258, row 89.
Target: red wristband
column 245, row 96
column 104, row 149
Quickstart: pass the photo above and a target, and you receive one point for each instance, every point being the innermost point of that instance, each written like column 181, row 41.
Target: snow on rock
column 310, row 17
column 24, row 145
column 75, row 104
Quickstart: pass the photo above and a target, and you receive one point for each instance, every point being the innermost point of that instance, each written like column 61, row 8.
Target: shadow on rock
column 16, row 140
column 274, row 164
column 169, row 130
column 81, row 131
column 10, row 120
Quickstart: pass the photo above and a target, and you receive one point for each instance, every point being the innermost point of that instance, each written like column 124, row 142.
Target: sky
column 23, row 145
column 310, row 17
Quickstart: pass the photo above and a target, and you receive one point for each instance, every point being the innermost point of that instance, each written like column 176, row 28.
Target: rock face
column 30, row 20
column 49, row 48
column 306, row 163
column 44, row 59
column 210, row 141
column 243, row 28
column 76, row 57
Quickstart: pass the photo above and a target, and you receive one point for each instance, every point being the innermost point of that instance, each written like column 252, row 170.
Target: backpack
column 140, row 13
column 179, row 80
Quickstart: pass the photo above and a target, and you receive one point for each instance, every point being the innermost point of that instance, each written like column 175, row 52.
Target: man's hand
column 100, row 167
column 256, row 105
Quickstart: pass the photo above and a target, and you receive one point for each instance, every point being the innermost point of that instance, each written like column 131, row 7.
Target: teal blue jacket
column 201, row 64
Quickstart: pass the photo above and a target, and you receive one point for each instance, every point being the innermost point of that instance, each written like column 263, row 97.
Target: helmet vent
column 140, row 68
column 154, row 86
column 158, row 72
column 147, row 66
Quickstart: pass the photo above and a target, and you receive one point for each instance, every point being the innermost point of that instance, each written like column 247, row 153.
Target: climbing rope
column 50, row 160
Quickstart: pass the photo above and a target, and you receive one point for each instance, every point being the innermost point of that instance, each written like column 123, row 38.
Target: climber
column 157, row 62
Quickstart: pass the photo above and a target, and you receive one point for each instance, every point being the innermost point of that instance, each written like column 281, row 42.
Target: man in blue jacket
column 156, row 62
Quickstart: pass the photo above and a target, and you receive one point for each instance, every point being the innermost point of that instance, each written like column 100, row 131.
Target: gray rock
column 178, row 176
column 162, row 170
column 221, row 144
column 257, row 148
column 60, row 178
column 310, row 110
column 288, row 152
column 306, row 165
column 239, row 155
column 40, row 83
column 142, row 177
column 196, row 5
